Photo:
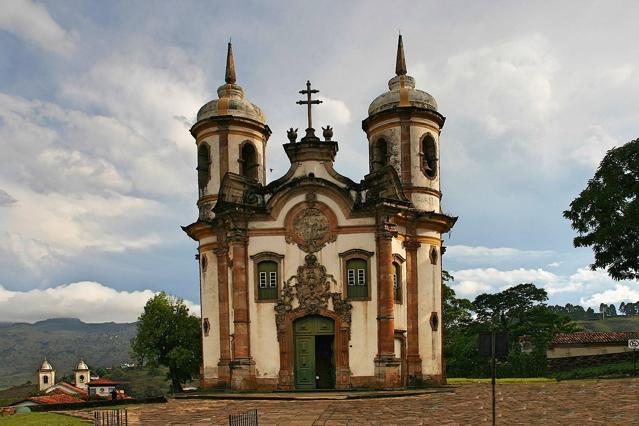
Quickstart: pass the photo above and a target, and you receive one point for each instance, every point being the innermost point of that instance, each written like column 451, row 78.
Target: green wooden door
column 305, row 362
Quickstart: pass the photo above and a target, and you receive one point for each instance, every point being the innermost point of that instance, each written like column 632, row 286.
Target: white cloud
column 595, row 142
column 332, row 112
column 470, row 282
column 6, row 199
column 481, row 254
column 620, row 293
column 510, row 83
column 590, row 285
column 31, row 21
column 88, row 301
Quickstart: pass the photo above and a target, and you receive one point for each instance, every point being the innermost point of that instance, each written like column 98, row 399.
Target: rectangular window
column 262, row 279
column 351, row 277
column 357, row 279
column 395, row 283
column 361, row 276
column 273, row 279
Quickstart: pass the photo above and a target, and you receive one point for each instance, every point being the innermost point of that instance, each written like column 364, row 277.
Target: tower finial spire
column 400, row 64
column 230, row 65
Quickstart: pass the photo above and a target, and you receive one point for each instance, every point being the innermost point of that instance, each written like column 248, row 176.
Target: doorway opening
column 314, row 353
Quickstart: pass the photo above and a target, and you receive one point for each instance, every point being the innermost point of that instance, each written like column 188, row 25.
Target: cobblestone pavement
column 607, row 402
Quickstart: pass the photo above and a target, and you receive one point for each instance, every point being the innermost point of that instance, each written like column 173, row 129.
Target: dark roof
column 583, row 337
column 103, row 382
column 53, row 399
column 69, row 387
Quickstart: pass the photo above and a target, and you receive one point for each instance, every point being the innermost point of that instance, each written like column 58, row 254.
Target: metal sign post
column 633, row 344
column 495, row 345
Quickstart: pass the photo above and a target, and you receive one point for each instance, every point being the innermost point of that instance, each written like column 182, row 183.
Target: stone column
column 413, row 359
column 242, row 366
column 224, row 372
column 387, row 366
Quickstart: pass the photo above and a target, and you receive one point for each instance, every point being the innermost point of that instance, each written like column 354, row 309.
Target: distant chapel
column 314, row 281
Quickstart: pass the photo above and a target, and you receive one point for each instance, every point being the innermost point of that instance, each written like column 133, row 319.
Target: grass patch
column 611, row 324
column 505, row 380
column 39, row 419
column 618, row 369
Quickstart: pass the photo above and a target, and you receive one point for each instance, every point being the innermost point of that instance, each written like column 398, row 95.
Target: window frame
column 353, row 254
column 267, row 256
column 428, row 138
column 249, row 171
column 204, row 166
column 399, row 261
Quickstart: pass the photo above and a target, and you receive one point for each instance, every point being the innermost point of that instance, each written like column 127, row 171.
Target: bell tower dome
column 231, row 135
column 403, row 128
column 46, row 376
column 82, row 374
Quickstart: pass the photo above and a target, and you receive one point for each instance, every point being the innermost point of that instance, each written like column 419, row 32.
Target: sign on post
column 633, row 344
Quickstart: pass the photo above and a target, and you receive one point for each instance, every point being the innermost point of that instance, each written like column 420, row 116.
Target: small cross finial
column 229, row 76
column 308, row 102
column 400, row 62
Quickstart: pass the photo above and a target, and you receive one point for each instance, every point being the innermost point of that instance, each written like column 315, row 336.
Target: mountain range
column 63, row 341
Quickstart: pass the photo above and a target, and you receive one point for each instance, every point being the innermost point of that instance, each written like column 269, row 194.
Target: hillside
column 611, row 324
column 63, row 341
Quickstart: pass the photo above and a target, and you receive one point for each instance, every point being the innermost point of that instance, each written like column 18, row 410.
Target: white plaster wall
column 210, row 309
column 429, row 300
column 213, row 187
column 264, row 344
column 423, row 201
column 401, row 318
column 586, row 350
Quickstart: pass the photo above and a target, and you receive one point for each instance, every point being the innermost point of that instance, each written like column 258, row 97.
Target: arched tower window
column 397, row 282
column 429, row 156
column 203, row 165
column 380, row 154
column 45, row 379
column 248, row 161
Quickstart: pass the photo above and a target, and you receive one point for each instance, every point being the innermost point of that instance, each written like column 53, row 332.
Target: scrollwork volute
column 311, row 287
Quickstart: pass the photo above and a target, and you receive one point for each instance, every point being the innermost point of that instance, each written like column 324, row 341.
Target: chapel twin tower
column 314, row 281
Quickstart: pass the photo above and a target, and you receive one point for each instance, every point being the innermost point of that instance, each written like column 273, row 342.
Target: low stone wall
column 97, row 403
column 570, row 363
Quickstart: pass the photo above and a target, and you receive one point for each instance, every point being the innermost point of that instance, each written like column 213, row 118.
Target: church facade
column 314, row 281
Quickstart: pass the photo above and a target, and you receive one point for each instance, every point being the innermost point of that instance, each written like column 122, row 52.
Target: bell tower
column 231, row 135
column 46, row 376
column 403, row 128
column 82, row 374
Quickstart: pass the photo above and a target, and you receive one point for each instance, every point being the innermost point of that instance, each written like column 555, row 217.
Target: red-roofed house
column 103, row 388
column 587, row 349
column 67, row 389
column 48, row 399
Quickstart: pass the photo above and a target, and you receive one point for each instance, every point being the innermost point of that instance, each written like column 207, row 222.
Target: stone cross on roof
column 310, row 132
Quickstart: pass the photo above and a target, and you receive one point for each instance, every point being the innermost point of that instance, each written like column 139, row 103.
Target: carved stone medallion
column 311, row 225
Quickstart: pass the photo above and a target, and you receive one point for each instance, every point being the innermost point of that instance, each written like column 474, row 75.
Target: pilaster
column 242, row 366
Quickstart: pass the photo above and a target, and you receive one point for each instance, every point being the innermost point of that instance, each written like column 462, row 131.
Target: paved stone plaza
column 568, row 403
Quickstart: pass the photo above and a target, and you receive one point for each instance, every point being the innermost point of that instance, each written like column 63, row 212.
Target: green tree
column 606, row 213
column 168, row 335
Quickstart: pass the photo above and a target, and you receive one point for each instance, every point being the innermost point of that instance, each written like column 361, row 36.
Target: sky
column 97, row 166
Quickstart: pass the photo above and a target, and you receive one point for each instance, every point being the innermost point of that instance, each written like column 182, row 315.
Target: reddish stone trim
column 413, row 359
column 385, row 294
column 285, row 337
column 224, row 373
column 241, row 340
column 224, row 154
column 405, row 151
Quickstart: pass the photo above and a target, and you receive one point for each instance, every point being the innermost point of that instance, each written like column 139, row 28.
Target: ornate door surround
column 311, row 288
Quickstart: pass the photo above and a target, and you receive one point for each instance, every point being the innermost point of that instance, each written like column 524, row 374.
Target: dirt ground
column 609, row 402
